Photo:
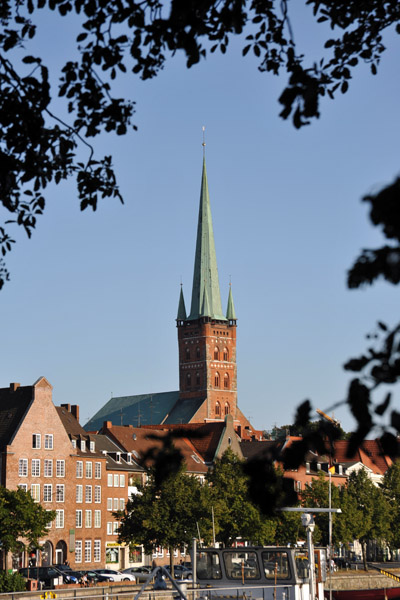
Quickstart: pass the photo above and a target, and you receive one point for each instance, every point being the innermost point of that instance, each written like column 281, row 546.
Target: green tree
column 163, row 514
column 391, row 490
column 11, row 582
column 21, row 520
column 121, row 36
column 235, row 515
column 369, row 515
column 317, row 495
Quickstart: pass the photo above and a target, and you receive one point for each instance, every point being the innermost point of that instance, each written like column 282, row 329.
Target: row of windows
column 47, row 491
column 36, row 467
column 115, row 504
column 88, row 518
column 115, row 480
column 88, row 493
column 112, row 528
column 88, row 551
column 88, row 469
column 37, row 441
column 82, row 445
column 227, row 409
column 217, row 353
column 217, row 380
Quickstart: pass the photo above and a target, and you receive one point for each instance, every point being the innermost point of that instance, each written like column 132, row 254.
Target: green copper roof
column 181, row 316
column 230, row 311
column 206, row 297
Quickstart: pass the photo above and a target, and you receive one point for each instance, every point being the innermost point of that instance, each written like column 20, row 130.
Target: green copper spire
column 230, row 311
column 181, row 316
column 206, row 297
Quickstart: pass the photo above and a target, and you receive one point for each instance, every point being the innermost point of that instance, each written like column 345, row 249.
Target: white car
column 115, row 575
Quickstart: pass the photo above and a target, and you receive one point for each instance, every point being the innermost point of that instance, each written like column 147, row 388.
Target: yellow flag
column 331, row 469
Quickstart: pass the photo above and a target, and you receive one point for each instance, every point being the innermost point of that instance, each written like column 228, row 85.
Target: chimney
column 75, row 411
column 14, row 386
column 107, row 424
column 67, row 407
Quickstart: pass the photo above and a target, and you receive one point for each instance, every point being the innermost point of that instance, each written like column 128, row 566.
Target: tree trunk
column 364, row 554
column 171, row 562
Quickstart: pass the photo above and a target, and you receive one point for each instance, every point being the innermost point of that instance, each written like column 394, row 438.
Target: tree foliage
column 164, row 514
column 137, row 37
column 22, row 520
column 11, row 582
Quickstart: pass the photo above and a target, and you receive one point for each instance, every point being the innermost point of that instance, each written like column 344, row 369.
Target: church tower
column 207, row 337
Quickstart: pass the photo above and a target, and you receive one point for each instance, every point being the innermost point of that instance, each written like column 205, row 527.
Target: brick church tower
column 207, row 337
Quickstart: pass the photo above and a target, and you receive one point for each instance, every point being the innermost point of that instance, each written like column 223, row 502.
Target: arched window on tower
column 227, row 408
column 197, row 351
column 197, row 378
column 187, row 353
column 216, row 353
column 226, row 381
column 226, row 355
column 188, row 380
column 217, row 409
column 216, row 380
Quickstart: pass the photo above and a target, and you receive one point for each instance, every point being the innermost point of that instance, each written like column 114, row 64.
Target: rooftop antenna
column 121, row 416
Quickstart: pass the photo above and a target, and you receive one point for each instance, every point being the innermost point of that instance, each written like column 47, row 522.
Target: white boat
column 269, row 572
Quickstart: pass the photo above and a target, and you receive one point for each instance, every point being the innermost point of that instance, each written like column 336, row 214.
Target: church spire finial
column 204, row 140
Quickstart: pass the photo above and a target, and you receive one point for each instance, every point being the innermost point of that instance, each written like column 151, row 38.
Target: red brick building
column 46, row 452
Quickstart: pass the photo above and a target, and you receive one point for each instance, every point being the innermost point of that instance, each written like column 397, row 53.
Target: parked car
column 91, row 576
column 115, row 575
column 47, row 575
column 180, row 572
column 140, row 573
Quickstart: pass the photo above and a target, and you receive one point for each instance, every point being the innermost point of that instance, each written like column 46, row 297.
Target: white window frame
column 97, row 494
column 116, row 503
column 48, row 467
column 109, row 480
column 116, row 480
column 97, row 551
column 60, row 468
column 79, row 469
column 109, row 503
column 60, row 492
column 59, row 518
column 79, row 494
column 35, row 467
column 78, row 518
column 97, row 470
column 36, row 441
column 35, row 491
column 122, row 481
column 121, row 504
column 109, row 527
column 88, row 551
column 23, row 467
column 97, row 519
column 88, row 519
column 48, row 441
column 88, row 469
column 92, row 446
column 83, row 449
column 23, row 486
column 47, row 492
column 73, row 442
column 88, row 494
column 115, row 527
column 78, row 551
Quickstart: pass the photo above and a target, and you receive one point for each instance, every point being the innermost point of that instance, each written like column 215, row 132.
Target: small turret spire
column 181, row 316
column 230, row 311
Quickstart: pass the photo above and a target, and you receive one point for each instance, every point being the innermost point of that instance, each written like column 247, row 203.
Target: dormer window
column 307, row 467
column 73, row 442
column 83, row 446
column 129, row 458
column 92, row 446
column 340, row 469
column 118, row 457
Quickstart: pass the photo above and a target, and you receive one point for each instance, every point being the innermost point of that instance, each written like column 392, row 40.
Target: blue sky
column 93, row 296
